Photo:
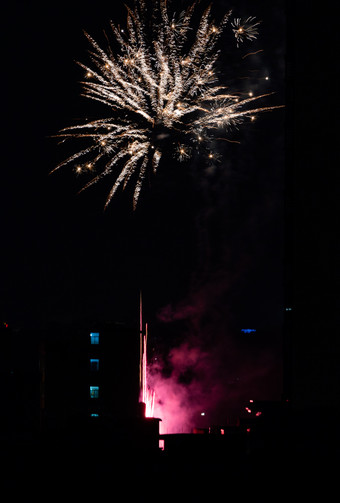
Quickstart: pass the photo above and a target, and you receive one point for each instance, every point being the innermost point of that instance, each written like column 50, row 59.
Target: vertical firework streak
column 162, row 95
column 146, row 394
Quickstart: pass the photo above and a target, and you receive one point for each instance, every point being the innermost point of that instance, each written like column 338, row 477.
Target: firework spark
column 161, row 91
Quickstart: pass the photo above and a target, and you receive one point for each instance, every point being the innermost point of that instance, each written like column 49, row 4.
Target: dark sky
column 204, row 242
column 62, row 253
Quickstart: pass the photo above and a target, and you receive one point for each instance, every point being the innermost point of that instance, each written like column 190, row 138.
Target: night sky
column 206, row 246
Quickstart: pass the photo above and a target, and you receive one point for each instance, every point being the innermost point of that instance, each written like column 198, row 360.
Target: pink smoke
column 212, row 393
column 179, row 404
column 211, row 372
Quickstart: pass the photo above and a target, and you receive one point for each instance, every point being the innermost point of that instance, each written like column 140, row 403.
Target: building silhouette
column 74, row 380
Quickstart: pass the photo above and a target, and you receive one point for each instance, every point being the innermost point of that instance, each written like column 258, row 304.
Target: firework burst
column 161, row 90
column 246, row 29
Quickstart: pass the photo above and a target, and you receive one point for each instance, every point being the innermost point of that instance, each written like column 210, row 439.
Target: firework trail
column 162, row 94
column 147, row 395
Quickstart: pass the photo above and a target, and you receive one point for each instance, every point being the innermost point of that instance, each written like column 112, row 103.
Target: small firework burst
column 246, row 29
column 183, row 152
column 213, row 158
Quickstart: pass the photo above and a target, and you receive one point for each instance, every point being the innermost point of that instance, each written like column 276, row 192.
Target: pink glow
column 150, row 403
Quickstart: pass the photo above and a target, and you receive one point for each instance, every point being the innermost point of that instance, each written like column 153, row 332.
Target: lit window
column 94, row 365
column 94, row 415
column 94, row 337
column 94, row 391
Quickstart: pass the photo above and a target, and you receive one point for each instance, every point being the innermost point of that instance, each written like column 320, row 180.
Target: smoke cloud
column 212, row 369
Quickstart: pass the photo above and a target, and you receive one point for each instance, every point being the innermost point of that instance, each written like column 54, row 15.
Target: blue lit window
column 94, row 364
column 94, row 337
column 94, row 415
column 94, row 391
column 248, row 330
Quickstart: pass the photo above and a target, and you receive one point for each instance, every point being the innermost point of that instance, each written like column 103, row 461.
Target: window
column 94, row 391
column 94, row 337
column 94, row 364
column 94, row 415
